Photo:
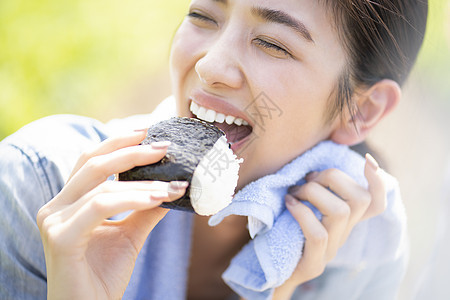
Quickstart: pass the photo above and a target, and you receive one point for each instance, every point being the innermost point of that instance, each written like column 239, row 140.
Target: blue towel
column 270, row 258
column 162, row 267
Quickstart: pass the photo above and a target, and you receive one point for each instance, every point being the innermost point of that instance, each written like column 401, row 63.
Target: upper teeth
column 210, row 115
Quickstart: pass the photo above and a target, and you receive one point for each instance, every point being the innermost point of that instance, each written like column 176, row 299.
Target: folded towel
column 270, row 258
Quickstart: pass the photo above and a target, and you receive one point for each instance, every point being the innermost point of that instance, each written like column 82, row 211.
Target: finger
column 335, row 212
column 99, row 168
column 156, row 190
column 311, row 226
column 356, row 197
column 105, row 205
column 171, row 189
column 108, row 146
column 377, row 188
column 108, row 187
column 316, row 238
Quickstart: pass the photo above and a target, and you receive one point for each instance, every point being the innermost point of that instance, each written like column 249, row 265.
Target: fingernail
column 159, row 195
column 177, row 186
column 291, row 200
column 141, row 130
column 372, row 162
column 293, row 189
column 311, row 175
column 160, row 145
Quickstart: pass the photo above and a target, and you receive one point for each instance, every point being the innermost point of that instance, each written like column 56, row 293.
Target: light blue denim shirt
column 36, row 161
column 34, row 165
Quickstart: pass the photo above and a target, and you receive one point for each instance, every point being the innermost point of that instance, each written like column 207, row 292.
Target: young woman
column 330, row 69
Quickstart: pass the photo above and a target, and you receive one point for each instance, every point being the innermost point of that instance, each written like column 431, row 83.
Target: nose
column 220, row 65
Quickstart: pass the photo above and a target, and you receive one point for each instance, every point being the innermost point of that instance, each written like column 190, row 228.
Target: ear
column 373, row 105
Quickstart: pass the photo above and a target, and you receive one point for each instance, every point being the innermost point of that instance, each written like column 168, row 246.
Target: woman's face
column 270, row 64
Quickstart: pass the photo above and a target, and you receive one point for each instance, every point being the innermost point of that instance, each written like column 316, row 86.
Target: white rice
column 215, row 179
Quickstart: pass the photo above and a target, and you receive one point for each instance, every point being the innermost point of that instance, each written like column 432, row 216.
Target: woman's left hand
column 343, row 203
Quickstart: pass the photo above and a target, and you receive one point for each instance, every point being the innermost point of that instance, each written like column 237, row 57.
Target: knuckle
column 331, row 175
column 41, row 215
column 53, row 234
column 361, row 203
column 379, row 207
column 98, row 204
column 45, row 224
column 44, row 214
column 93, row 163
column 53, row 230
column 319, row 238
column 342, row 210
column 85, row 156
column 309, row 189
column 96, row 165
column 106, row 186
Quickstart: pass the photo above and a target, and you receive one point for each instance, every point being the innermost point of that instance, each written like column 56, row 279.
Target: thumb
column 377, row 187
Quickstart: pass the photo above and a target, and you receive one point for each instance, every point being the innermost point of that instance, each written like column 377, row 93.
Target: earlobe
column 373, row 105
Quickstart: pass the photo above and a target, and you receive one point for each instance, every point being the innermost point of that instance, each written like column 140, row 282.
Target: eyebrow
column 280, row 17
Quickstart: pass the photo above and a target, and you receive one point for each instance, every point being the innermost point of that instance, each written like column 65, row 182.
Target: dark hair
column 381, row 38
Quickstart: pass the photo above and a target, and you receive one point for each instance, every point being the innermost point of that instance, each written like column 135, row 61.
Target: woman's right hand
column 88, row 256
column 343, row 203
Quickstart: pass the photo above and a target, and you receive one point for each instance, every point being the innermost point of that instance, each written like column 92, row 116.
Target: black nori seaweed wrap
column 190, row 140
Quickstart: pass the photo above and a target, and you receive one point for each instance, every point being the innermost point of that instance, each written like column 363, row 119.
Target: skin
column 88, row 256
column 223, row 57
column 230, row 61
column 225, row 53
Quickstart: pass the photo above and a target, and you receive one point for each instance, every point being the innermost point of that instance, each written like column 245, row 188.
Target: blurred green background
column 86, row 57
column 107, row 59
column 60, row 56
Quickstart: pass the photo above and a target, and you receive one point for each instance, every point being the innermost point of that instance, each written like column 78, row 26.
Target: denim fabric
column 34, row 164
column 36, row 161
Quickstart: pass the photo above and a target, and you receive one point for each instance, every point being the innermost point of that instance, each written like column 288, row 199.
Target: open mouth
column 236, row 129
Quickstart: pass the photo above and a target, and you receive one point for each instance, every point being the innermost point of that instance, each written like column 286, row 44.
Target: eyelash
column 263, row 43
column 201, row 17
column 271, row 46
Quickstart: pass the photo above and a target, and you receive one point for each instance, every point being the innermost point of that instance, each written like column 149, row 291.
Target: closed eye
column 202, row 18
column 272, row 47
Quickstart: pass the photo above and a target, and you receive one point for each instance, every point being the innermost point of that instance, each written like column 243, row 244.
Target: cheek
column 304, row 98
column 298, row 107
column 300, row 100
column 183, row 56
column 186, row 50
column 179, row 55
